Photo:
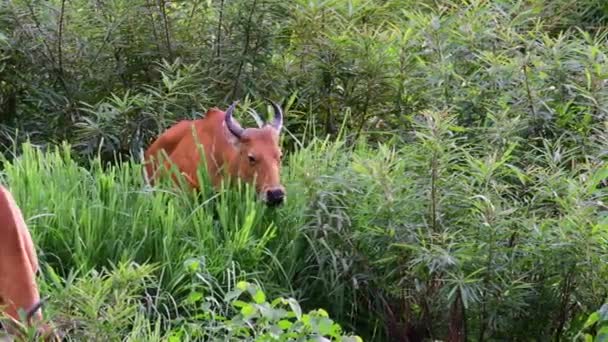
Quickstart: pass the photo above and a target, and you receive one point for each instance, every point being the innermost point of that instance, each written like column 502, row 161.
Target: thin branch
column 50, row 55
column 218, row 42
column 48, row 48
column 60, row 38
column 528, row 91
column 245, row 48
column 163, row 12
column 152, row 21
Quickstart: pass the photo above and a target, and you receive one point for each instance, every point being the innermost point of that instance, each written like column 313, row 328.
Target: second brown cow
column 251, row 154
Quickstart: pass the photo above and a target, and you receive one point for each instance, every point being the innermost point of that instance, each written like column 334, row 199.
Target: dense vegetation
column 445, row 167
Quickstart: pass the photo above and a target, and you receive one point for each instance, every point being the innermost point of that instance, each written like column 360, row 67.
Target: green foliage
column 596, row 326
column 445, row 164
column 516, row 236
column 103, row 306
column 134, row 67
column 116, row 304
column 282, row 319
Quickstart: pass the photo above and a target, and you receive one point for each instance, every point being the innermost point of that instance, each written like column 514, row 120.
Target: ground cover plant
column 445, row 165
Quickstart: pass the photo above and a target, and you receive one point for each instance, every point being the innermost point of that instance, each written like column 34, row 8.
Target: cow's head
column 259, row 155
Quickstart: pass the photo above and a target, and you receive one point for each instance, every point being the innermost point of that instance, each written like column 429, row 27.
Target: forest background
column 445, row 163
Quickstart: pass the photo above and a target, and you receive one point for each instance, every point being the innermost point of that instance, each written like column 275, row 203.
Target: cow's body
column 18, row 267
column 18, row 260
column 250, row 154
column 180, row 146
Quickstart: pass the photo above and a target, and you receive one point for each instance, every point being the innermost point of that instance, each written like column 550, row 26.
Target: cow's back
column 180, row 145
column 167, row 141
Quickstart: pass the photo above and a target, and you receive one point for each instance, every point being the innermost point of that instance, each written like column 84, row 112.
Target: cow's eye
column 251, row 159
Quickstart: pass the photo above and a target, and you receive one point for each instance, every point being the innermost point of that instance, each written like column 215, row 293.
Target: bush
column 116, row 304
column 239, row 320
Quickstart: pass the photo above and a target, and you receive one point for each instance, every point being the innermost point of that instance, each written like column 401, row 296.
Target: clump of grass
column 87, row 219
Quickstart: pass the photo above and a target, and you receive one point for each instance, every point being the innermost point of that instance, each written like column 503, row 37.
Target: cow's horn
column 277, row 122
column 232, row 125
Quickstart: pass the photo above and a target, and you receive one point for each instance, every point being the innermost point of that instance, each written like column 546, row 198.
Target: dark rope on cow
column 32, row 310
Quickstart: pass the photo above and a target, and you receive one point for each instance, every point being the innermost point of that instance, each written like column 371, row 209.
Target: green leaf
column 591, row 320
column 242, row 285
column 295, row 307
column 55, row 278
column 232, row 295
column 322, row 313
column 404, row 246
column 194, row 297
column 458, row 129
column 603, row 313
column 284, row 324
column 277, row 301
column 597, row 177
column 239, row 303
column 248, row 310
column 326, row 326
column 359, row 168
column 306, row 319
column 193, row 265
column 267, row 312
column 259, row 297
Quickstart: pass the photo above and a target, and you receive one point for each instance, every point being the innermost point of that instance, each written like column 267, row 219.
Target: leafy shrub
column 128, row 72
column 116, row 304
column 110, row 304
column 596, row 326
column 456, row 236
column 259, row 320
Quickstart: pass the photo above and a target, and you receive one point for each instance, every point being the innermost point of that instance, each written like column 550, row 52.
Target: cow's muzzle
column 274, row 197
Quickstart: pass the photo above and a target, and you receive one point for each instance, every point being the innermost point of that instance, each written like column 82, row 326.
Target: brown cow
column 18, row 266
column 251, row 154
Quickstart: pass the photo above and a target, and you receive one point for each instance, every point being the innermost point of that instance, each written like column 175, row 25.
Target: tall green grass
column 87, row 218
